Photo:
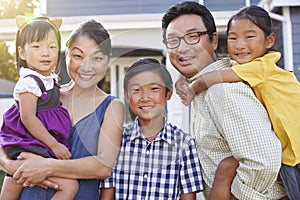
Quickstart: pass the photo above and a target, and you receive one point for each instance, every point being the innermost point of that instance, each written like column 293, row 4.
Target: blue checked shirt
column 160, row 169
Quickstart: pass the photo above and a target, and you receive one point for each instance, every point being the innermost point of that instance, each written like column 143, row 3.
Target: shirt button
column 145, row 176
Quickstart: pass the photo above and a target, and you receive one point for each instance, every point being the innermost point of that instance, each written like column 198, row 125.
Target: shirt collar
column 26, row 71
column 219, row 64
column 136, row 131
column 166, row 134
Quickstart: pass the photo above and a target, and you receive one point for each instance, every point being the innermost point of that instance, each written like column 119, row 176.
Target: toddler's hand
column 179, row 85
column 184, row 91
column 189, row 95
column 61, row 151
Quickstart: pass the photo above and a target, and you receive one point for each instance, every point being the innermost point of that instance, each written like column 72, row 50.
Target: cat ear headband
column 22, row 21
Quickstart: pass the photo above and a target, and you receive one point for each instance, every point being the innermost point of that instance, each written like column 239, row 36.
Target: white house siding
column 105, row 7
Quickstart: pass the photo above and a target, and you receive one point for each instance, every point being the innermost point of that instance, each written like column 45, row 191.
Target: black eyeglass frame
column 183, row 37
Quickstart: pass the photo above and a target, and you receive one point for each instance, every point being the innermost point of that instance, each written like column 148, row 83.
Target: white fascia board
column 284, row 3
column 7, row 28
column 279, row 3
column 222, row 18
column 8, row 23
column 116, row 22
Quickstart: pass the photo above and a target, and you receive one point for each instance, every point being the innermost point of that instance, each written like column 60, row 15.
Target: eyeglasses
column 189, row 38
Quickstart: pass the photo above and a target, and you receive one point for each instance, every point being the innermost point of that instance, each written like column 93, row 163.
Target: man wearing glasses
column 228, row 120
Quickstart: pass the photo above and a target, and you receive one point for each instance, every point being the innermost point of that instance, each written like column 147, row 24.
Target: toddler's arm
column 208, row 79
column 188, row 91
column 28, row 102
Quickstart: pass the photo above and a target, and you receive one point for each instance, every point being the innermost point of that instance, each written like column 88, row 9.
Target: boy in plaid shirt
column 157, row 160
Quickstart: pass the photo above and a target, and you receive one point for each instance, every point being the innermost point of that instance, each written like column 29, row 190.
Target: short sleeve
column 253, row 72
column 26, row 84
column 190, row 173
column 109, row 182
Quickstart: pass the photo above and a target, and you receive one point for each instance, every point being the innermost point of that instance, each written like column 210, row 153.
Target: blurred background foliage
column 10, row 9
column 7, row 63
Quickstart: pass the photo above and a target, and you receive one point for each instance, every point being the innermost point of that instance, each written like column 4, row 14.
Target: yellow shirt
column 279, row 91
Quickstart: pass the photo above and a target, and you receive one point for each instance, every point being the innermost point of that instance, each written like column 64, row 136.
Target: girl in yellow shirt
column 250, row 42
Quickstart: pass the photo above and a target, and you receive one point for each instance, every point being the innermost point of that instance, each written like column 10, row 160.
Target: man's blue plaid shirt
column 160, row 169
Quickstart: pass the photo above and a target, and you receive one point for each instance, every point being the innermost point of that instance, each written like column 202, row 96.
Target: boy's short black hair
column 148, row 64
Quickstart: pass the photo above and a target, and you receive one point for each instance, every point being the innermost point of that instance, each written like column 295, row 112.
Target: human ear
column 169, row 94
column 214, row 41
column 21, row 53
column 270, row 40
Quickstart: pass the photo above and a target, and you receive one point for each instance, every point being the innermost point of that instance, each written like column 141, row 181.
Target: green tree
column 7, row 63
column 12, row 8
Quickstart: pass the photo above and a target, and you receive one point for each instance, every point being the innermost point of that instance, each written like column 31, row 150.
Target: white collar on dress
column 26, row 71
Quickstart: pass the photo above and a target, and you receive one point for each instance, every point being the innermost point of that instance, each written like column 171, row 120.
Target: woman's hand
column 26, row 155
column 32, row 171
column 44, row 184
column 32, row 179
column 6, row 164
column 3, row 157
